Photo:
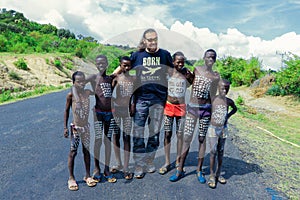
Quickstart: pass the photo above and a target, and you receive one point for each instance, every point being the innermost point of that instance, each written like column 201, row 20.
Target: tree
column 287, row 80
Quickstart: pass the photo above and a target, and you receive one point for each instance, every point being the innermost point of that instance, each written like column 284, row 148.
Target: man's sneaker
column 139, row 173
column 150, row 167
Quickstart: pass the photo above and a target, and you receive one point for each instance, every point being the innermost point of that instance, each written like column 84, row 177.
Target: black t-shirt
column 151, row 72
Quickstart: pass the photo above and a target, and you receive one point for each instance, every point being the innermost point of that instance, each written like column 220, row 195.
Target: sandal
column 178, row 175
column 72, row 185
column 212, row 181
column 139, row 173
column 164, row 169
column 222, row 180
column 111, row 178
column 128, row 175
column 116, row 169
column 90, row 181
column 97, row 178
column 201, row 178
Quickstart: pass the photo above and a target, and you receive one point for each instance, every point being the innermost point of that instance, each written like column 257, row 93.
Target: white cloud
column 236, row 44
column 53, row 17
column 107, row 19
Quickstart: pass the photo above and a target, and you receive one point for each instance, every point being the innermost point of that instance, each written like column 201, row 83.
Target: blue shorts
column 104, row 116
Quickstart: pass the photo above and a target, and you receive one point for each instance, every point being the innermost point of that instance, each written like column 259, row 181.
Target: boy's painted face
column 125, row 65
column 101, row 64
column 178, row 62
column 209, row 58
column 150, row 41
column 79, row 82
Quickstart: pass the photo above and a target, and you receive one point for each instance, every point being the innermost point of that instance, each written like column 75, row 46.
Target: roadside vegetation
column 271, row 140
column 11, row 96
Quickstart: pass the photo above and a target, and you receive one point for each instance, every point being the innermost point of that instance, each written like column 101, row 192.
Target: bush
column 21, row 64
column 5, row 96
column 276, row 90
column 240, row 100
column 14, row 75
column 69, row 65
column 57, row 64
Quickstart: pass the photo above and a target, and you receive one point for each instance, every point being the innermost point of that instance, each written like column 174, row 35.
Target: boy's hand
column 66, row 132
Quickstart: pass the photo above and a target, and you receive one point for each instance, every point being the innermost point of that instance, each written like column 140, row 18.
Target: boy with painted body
column 175, row 108
column 204, row 88
column 218, row 131
column 103, row 115
column 123, row 84
column 80, row 127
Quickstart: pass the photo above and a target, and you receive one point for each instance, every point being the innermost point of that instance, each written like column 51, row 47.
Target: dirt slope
column 42, row 70
column 284, row 105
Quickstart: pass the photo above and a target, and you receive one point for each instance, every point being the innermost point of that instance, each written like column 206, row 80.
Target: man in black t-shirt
column 151, row 65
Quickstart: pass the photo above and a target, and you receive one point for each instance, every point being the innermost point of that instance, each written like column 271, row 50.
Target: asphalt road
column 33, row 163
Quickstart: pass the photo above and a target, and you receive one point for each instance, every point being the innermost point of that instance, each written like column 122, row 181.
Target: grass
column 280, row 161
column 9, row 96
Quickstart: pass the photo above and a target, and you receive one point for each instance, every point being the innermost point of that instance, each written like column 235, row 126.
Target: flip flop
column 222, row 180
column 128, row 175
column 111, row 179
column 164, row 169
column 72, row 185
column 97, row 178
column 90, row 181
column 211, row 181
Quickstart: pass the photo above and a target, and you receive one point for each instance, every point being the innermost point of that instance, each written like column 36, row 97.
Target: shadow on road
column 230, row 167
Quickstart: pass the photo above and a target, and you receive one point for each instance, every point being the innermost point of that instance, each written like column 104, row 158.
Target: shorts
column 104, row 116
column 214, row 131
column 175, row 110
column 77, row 133
column 203, row 110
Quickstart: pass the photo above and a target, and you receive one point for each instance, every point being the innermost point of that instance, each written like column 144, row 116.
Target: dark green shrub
column 14, row 75
column 240, row 100
column 21, row 64
column 57, row 64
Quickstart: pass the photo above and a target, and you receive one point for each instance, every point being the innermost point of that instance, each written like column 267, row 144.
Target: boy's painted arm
column 76, row 98
column 92, row 80
column 214, row 86
column 188, row 74
column 67, row 114
column 74, row 94
column 114, row 82
column 117, row 71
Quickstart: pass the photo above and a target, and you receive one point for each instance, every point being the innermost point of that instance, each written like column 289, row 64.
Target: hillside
column 43, row 69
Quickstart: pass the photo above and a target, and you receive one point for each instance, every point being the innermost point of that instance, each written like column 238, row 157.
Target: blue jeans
column 153, row 112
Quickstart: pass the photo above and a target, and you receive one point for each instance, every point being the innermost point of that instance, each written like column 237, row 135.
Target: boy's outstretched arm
column 67, row 114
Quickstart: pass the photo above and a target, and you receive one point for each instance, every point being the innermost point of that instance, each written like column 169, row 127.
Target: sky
column 268, row 30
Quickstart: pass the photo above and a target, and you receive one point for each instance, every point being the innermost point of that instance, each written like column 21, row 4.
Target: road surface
column 33, row 161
